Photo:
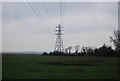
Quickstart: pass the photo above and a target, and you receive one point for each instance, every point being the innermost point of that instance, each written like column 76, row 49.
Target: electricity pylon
column 59, row 41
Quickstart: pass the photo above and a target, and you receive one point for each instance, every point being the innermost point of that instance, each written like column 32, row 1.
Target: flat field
column 59, row 67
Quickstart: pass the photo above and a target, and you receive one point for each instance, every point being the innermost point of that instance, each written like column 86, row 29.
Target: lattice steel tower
column 59, row 41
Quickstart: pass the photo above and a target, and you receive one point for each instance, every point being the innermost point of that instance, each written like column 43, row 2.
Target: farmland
column 59, row 67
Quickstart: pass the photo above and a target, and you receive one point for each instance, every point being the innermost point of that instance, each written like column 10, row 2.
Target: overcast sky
column 85, row 24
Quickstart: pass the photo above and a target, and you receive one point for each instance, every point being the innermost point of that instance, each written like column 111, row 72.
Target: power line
column 57, row 11
column 47, row 12
column 38, row 17
column 32, row 9
column 61, row 12
column 44, row 5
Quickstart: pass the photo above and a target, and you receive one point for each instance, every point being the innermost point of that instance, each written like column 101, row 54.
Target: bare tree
column 68, row 50
column 76, row 49
column 116, row 39
column 87, row 49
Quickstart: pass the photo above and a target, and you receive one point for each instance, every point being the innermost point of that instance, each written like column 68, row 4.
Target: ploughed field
column 59, row 67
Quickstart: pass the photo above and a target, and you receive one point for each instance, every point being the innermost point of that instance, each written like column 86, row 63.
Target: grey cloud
column 81, row 21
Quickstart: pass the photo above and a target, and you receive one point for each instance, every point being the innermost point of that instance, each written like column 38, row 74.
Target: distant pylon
column 59, row 41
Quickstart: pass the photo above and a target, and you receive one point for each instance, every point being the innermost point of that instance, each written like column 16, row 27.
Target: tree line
column 104, row 50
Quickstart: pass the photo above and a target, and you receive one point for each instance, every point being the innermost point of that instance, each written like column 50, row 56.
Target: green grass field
column 59, row 67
